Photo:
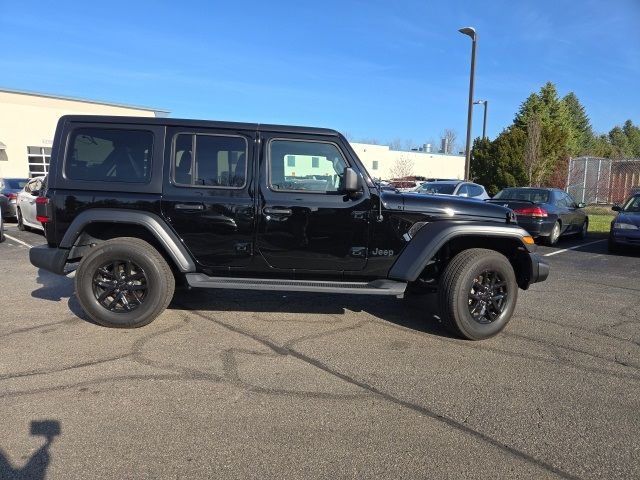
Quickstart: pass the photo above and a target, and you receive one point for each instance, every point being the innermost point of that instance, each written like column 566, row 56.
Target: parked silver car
column 26, row 204
column 454, row 187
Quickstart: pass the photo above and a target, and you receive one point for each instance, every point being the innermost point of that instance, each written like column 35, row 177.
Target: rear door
column 208, row 195
column 305, row 223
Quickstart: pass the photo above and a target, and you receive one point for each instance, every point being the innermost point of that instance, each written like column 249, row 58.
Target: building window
column 39, row 158
column 315, row 162
column 291, row 161
column 375, row 165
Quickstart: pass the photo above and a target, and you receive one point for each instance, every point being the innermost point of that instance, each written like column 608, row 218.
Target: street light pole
column 484, row 122
column 471, row 32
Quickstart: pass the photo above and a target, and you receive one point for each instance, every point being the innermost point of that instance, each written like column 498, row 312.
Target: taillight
column 13, row 197
column 532, row 212
column 42, row 201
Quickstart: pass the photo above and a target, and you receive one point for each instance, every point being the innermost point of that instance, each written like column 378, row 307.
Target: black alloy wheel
column 124, row 282
column 477, row 293
column 120, row 285
column 487, row 298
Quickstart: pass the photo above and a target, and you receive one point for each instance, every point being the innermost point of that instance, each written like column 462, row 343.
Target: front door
column 305, row 222
column 208, row 194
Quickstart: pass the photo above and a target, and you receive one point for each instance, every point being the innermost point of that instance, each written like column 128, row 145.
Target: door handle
column 189, row 206
column 277, row 211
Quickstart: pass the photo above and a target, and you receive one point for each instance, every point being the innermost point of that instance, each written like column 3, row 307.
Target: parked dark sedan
column 625, row 228
column 3, row 202
column 9, row 187
column 546, row 213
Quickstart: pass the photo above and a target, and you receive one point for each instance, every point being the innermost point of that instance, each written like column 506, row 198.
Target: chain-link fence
column 602, row 180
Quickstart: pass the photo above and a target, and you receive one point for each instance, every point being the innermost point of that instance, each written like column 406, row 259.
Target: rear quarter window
column 112, row 155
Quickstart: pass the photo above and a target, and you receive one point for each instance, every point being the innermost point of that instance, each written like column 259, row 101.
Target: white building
column 28, row 121
column 380, row 161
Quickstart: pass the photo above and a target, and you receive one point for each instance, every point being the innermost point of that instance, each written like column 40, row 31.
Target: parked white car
column 26, row 204
column 454, row 187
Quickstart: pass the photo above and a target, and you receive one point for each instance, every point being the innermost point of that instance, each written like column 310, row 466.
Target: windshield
column 15, row 183
column 633, row 204
column 434, row 187
column 526, row 194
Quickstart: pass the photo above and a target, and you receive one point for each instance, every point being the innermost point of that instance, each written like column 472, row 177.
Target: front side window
column 633, row 204
column 301, row 174
column 112, row 155
column 475, row 190
column 210, row 160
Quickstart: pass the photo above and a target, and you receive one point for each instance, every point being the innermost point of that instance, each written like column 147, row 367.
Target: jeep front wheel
column 477, row 293
column 124, row 283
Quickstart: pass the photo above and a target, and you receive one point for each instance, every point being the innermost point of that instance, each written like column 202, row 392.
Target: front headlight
column 624, row 226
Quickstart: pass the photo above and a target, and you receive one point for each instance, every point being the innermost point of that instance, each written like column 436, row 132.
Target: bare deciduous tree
column 402, row 168
column 395, row 144
column 532, row 154
column 450, row 136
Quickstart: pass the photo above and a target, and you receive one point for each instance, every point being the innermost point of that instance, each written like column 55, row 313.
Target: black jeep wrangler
column 142, row 203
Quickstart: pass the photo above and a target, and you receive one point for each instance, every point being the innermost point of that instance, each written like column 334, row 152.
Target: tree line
column 546, row 131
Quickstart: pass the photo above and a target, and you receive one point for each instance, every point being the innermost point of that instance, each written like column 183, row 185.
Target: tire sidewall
column 464, row 321
column 144, row 313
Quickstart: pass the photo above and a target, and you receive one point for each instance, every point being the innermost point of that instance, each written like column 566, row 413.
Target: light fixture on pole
column 484, row 121
column 470, row 32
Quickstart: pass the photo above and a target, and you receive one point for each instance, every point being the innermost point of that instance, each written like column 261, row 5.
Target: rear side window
column 111, row 155
column 210, row 160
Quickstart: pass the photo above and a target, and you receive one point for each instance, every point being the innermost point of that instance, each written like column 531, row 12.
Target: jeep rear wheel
column 124, row 283
column 477, row 293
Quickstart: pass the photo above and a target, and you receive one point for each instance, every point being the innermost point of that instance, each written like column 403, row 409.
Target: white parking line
column 573, row 248
column 17, row 240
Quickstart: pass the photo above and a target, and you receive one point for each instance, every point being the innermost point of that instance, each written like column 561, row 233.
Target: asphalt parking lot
column 268, row 385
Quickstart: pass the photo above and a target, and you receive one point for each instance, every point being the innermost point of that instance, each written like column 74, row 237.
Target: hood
column 450, row 206
column 629, row 217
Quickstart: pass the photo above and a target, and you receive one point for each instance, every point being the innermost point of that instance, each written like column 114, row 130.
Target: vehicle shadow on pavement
column 416, row 311
column 36, row 466
column 56, row 288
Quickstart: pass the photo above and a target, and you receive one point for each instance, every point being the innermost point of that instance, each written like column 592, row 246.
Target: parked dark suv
column 141, row 202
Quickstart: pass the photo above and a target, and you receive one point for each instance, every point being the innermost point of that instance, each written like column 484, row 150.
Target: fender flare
column 434, row 235
column 152, row 222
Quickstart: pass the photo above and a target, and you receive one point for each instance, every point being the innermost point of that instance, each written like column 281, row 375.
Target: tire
column 103, row 273
column 612, row 246
column 553, row 237
column 460, row 281
column 585, row 229
column 21, row 225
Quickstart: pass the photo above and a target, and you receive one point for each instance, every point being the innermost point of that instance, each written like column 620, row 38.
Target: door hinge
column 244, row 249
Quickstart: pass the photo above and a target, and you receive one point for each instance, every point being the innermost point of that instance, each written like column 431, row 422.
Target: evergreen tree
column 580, row 125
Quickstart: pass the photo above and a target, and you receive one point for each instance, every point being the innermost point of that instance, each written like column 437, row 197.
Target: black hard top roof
column 193, row 123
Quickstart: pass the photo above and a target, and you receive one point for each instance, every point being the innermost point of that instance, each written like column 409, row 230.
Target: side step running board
column 376, row 287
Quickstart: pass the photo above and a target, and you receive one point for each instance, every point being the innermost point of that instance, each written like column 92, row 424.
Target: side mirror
column 350, row 178
column 616, row 208
column 581, row 205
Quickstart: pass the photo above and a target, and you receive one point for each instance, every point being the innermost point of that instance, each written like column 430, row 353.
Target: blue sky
column 373, row 69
